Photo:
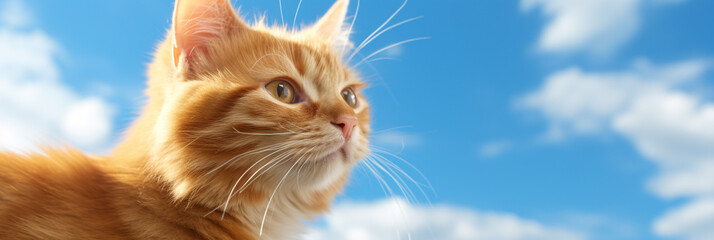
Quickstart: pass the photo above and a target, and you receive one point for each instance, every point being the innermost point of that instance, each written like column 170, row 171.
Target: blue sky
column 532, row 119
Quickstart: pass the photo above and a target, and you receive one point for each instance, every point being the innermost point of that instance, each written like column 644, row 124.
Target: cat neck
column 196, row 201
column 152, row 199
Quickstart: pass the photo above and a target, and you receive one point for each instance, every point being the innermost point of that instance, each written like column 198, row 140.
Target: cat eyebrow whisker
column 296, row 12
column 269, row 54
column 349, row 31
column 280, row 2
column 388, row 47
column 368, row 41
column 376, row 30
column 380, row 58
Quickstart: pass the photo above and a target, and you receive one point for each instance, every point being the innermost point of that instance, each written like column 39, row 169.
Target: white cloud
column 578, row 102
column 397, row 219
column 37, row 107
column 14, row 13
column 594, row 26
column 647, row 105
column 495, row 148
column 693, row 221
column 600, row 226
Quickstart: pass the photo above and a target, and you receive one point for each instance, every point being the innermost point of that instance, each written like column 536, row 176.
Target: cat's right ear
column 196, row 23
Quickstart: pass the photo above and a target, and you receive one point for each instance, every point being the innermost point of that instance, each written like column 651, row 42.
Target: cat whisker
column 382, row 184
column 383, row 31
column 396, row 170
column 404, row 193
column 230, row 194
column 378, row 149
column 263, row 134
column 349, row 31
column 259, row 150
column 192, row 141
column 269, row 54
column 282, row 22
column 361, row 45
column 296, row 13
column 262, row 224
column 379, row 59
column 388, row 47
column 294, row 125
column 298, row 175
column 273, row 163
column 378, row 132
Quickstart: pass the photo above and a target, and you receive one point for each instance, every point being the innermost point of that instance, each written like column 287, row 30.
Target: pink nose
column 345, row 123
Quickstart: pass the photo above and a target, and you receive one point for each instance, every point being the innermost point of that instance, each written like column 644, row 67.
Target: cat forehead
column 312, row 64
column 322, row 72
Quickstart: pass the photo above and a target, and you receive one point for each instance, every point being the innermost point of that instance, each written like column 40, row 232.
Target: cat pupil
column 281, row 90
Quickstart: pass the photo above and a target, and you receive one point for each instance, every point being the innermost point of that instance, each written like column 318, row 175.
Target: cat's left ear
column 331, row 26
column 196, row 23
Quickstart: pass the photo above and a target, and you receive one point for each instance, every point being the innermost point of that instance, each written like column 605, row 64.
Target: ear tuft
column 332, row 27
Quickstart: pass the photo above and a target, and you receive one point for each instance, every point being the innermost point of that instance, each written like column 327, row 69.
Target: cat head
column 240, row 108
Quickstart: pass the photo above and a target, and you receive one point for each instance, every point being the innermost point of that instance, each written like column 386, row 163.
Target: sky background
column 531, row 119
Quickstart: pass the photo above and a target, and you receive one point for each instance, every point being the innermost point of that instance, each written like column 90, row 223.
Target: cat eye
column 350, row 97
column 282, row 90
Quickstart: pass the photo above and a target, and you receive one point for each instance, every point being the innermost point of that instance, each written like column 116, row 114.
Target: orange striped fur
column 212, row 148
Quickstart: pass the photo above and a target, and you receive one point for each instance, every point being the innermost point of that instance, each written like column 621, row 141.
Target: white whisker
column 263, row 134
column 375, row 148
column 354, row 18
column 262, row 224
column 388, row 47
column 377, row 30
column 230, row 194
column 262, row 149
column 383, row 184
column 367, row 41
column 296, row 13
column 282, row 22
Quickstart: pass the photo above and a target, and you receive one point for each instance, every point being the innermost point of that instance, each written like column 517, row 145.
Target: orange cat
column 248, row 131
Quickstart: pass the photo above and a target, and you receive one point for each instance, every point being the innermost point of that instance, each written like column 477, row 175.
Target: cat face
column 249, row 108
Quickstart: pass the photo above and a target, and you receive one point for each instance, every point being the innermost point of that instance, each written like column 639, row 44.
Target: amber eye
column 350, row 97
column 282, row 90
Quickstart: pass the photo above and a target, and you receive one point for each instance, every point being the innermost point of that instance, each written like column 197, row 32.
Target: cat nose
column 345, row 123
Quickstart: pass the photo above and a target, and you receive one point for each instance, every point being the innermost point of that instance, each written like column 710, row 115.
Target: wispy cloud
column 495, row 148
column 37, row 107
column 648, row 105
column 397, row 219
column 397, row 139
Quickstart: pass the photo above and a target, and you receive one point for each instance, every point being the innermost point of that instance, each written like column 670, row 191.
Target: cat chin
column 322, row 172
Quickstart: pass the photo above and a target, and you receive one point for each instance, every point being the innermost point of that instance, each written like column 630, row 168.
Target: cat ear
column 331, row 26
column 196, row 22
